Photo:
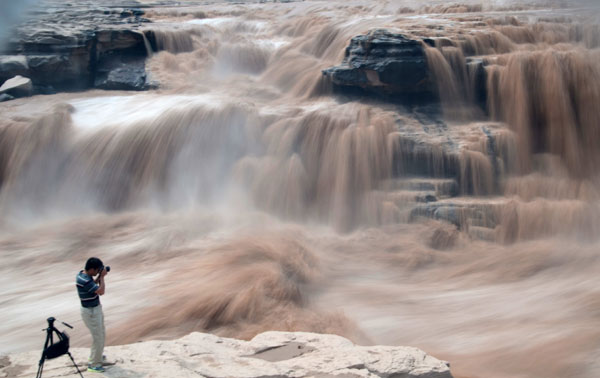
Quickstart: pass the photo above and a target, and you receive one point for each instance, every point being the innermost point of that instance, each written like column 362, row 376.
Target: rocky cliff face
column 270, row 354
column 394, row 67
column 386, row 64
column 435, row 164
column 60, row 47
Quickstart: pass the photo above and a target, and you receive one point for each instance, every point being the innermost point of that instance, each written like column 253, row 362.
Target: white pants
column 94, row 320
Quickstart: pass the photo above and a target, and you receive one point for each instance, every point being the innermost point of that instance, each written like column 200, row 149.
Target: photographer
column 89, row 290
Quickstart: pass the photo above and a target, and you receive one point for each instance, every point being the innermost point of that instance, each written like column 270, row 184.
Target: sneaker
column 96, row 369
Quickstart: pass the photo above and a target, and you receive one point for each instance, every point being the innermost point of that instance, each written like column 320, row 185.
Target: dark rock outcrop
column 479, row 218
column 5, row 97
column 386, row 64
column 16, row 64
column 393, row 67
column 65, row 48
column 123, row 76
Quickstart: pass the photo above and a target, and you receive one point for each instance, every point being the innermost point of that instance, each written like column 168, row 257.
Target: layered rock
column 436, row 169
column 270, row 354
column 74, row 48
column 386, row 64
column 394, row 67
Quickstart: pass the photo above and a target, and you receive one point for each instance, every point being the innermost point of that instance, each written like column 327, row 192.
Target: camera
column 105, row 267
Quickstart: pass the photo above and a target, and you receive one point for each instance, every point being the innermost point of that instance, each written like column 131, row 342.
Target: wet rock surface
column 64, row 47
column 385, row 64
column 270, row 354
column 394, row 67
column 437, row 167
column 124, row 76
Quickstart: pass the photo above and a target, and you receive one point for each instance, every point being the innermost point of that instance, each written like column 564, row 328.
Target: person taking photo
column 90, row 290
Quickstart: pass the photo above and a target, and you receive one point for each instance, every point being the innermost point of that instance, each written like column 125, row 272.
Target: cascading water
column 246, row 194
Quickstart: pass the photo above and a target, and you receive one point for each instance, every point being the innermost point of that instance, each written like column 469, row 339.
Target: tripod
column 53, row 350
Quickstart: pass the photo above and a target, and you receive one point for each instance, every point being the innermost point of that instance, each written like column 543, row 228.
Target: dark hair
column 93, row 263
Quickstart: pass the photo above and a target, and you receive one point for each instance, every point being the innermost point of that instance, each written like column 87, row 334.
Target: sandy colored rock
column 18, row 86
column 290, row 354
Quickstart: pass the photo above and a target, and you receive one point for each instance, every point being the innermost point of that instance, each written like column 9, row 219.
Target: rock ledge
column 270, row 354
column 387, row 64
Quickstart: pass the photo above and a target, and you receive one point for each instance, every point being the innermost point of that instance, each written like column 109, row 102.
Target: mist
column 249, row 192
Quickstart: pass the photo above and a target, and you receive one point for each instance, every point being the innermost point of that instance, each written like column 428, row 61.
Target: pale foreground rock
column 270, row 354
column 18, row 86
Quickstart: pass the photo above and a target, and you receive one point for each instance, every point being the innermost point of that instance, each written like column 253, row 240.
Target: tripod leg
column 41, row 364
column 40, row 369
column 74, row 364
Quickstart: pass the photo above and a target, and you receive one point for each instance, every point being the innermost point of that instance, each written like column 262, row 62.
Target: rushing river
column 247, row 195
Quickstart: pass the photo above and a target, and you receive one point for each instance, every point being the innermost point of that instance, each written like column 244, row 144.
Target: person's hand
column 103, row 273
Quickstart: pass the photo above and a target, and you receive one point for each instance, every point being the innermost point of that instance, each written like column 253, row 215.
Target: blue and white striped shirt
column 86, row 288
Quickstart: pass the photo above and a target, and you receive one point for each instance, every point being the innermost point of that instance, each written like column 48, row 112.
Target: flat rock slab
column 18, row 86
column 270, row 354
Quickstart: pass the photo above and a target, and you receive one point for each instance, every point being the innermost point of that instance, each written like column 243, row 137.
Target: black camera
column 105, row 267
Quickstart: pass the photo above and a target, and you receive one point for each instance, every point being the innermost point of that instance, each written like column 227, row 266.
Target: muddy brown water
column 243, row 196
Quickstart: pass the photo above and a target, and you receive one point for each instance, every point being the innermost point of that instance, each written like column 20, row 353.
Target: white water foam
column 94, row 113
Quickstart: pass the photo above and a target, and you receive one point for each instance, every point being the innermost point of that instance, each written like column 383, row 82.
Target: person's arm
column 100, row 282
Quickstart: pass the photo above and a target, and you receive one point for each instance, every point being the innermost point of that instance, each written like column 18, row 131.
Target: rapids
column 246, row 194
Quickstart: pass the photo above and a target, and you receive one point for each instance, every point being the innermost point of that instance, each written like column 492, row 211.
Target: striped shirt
column 86, row 288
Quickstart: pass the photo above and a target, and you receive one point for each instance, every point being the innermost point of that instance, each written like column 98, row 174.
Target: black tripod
column 52, row 349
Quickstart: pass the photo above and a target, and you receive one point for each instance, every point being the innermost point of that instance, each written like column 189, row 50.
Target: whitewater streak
column 244, row 196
